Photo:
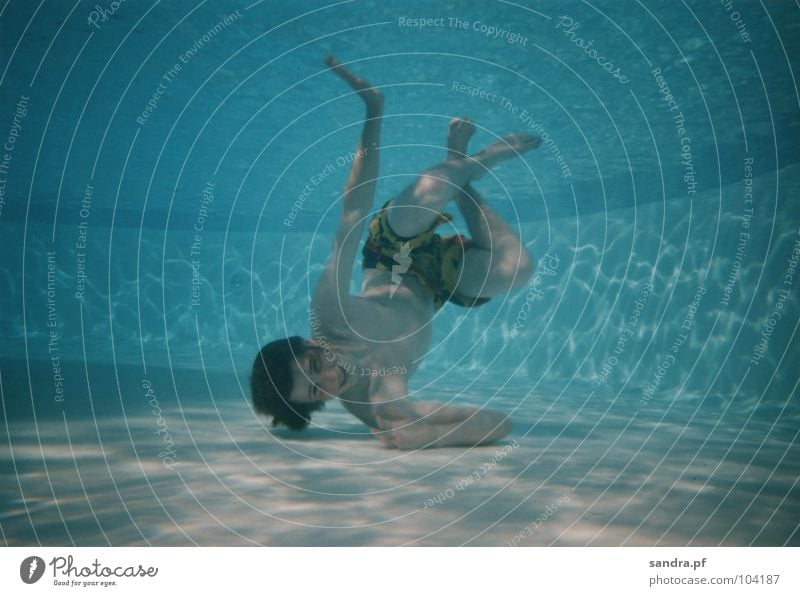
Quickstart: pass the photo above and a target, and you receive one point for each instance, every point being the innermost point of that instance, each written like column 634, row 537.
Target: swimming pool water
column 170, row 182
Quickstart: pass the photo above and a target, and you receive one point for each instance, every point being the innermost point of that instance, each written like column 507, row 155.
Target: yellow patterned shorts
column 434, row 260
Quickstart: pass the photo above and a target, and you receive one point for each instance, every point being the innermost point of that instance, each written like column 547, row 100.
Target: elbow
column 505, row 428
column 499, row 428
column 497, row 424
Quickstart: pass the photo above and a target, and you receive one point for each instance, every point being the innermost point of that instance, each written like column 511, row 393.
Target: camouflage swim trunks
column 434, row 260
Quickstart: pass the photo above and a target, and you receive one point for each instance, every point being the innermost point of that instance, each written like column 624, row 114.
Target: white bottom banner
column 389, row 571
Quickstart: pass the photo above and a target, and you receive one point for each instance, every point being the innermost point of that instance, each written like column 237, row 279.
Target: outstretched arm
column 406, row 424
column 358, row 194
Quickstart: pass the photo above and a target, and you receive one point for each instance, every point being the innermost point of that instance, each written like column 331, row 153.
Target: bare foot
column 372, row 97
column 459, row 133
column 508, row 147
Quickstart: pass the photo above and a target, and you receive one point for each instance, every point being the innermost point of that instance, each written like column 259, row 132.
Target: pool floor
column 575, row 472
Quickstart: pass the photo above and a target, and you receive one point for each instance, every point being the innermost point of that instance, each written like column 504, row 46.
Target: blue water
column 156, row 231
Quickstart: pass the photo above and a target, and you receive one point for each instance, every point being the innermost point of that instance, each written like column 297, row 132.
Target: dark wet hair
column 271, row 383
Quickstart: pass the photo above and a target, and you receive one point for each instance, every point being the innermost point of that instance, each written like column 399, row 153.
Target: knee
column 429, row 187
column 426, row 183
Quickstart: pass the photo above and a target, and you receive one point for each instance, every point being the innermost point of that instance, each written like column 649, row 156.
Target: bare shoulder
column 389, row 397
column 360, row 404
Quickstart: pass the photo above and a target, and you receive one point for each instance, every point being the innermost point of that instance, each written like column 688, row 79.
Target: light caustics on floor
column 575, row 471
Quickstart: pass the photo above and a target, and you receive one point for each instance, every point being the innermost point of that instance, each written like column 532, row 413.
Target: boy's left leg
column 497, row 261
